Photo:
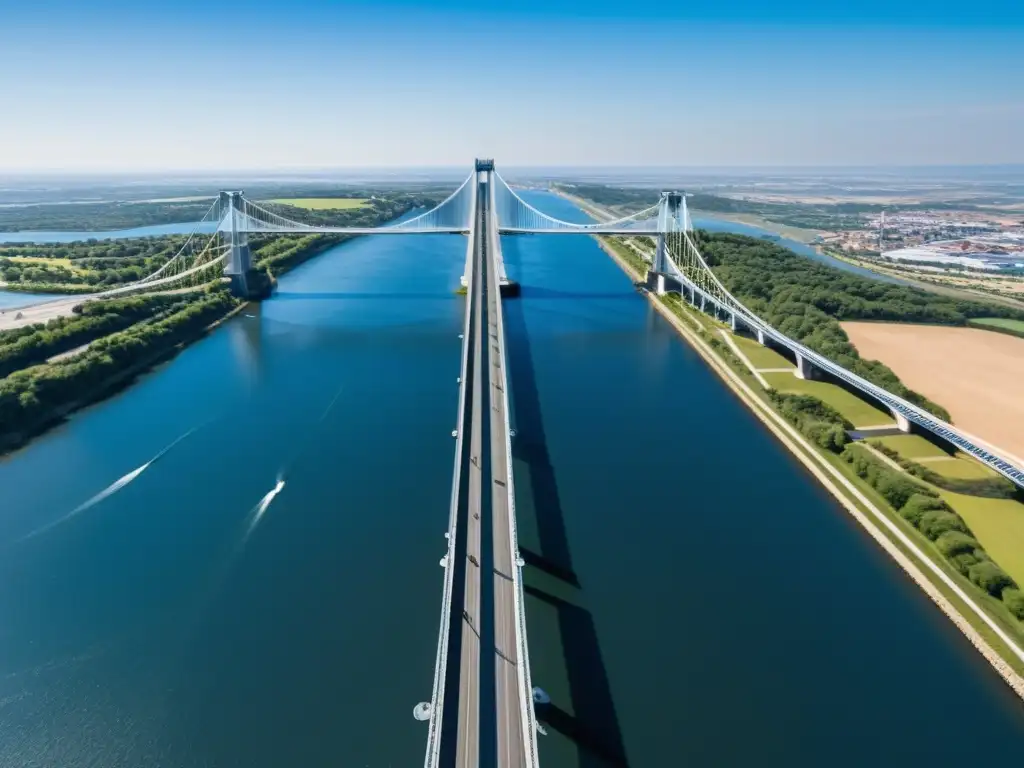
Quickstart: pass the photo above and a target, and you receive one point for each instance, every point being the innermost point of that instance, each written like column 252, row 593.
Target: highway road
column 510, row 742
column 468, row 746
column 490, row 727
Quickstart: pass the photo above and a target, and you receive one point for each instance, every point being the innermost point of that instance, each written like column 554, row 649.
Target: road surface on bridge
column 467, row 751
column 510, row 744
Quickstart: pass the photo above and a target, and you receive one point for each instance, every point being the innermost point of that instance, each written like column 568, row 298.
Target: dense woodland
column 806, row 300
column 33, row 344
column 90, row 263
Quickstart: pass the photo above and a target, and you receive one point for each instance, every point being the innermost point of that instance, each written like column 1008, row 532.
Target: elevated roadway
column 485, row 717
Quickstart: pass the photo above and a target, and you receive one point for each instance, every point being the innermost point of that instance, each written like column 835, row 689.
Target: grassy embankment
column 873, row 502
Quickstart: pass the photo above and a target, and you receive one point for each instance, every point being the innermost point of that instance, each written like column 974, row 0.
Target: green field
column 962, row 467
column 998, row 524
column 858, row 412
column 999, row 325
column 1000, row 322
column 323, row 203
column 913, row 447
column 31, row 261
column 759, row 355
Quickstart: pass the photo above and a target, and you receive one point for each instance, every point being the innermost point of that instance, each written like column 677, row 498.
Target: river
column 693, row 596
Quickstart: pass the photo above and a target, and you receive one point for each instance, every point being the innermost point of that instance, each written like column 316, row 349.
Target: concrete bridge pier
column 760, row 338
column 902, row 422
column 661, row 283
column 804, row 368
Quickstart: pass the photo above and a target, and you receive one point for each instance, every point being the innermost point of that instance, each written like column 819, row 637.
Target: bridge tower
column 483, row 189
column 238, row 265
column 672, row 217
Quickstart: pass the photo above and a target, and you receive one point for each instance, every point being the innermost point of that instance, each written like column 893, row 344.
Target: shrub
column 990, row 577
column 965, row 560
column 917, row 505
column 832, row 437
column 1014, row 600
column 952, row 543
column 935, row 522
column 895, row 487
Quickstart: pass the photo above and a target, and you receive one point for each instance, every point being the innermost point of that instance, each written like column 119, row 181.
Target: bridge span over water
column 481, row 710
column 677, row 265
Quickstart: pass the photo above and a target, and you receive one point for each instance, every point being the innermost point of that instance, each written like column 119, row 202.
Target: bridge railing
column 527, row 713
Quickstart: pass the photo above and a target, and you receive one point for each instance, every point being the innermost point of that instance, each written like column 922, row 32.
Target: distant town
column 945, row 239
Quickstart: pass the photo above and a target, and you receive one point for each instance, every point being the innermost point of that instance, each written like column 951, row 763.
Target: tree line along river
column 235, row 561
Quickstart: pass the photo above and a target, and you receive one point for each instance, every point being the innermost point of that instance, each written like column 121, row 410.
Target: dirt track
column 977, row 375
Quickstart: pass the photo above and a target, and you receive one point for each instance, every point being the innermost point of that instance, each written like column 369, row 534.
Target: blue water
column 698, row 599
column 693, row 597
column 15, row 299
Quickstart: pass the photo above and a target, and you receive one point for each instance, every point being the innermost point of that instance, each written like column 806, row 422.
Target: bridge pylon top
column 484, row 164
column 673, row 199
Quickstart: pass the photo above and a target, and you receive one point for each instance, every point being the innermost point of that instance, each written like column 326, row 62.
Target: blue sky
column 229, row 85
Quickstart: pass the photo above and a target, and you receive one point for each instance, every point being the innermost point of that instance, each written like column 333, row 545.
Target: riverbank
column 57, row 389
column 276, row 257
column 994, row 643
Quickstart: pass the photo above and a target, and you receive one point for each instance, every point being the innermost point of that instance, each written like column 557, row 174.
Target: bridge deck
column 467, row 749
column 508, row 710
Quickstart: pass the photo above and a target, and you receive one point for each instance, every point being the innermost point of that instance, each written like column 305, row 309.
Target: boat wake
column 258, row 511
column 107, row 492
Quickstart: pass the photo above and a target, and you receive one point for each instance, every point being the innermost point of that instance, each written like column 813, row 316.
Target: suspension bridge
column 471, row 723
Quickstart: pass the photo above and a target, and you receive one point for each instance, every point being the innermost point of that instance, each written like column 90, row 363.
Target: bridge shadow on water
column 594, row 728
